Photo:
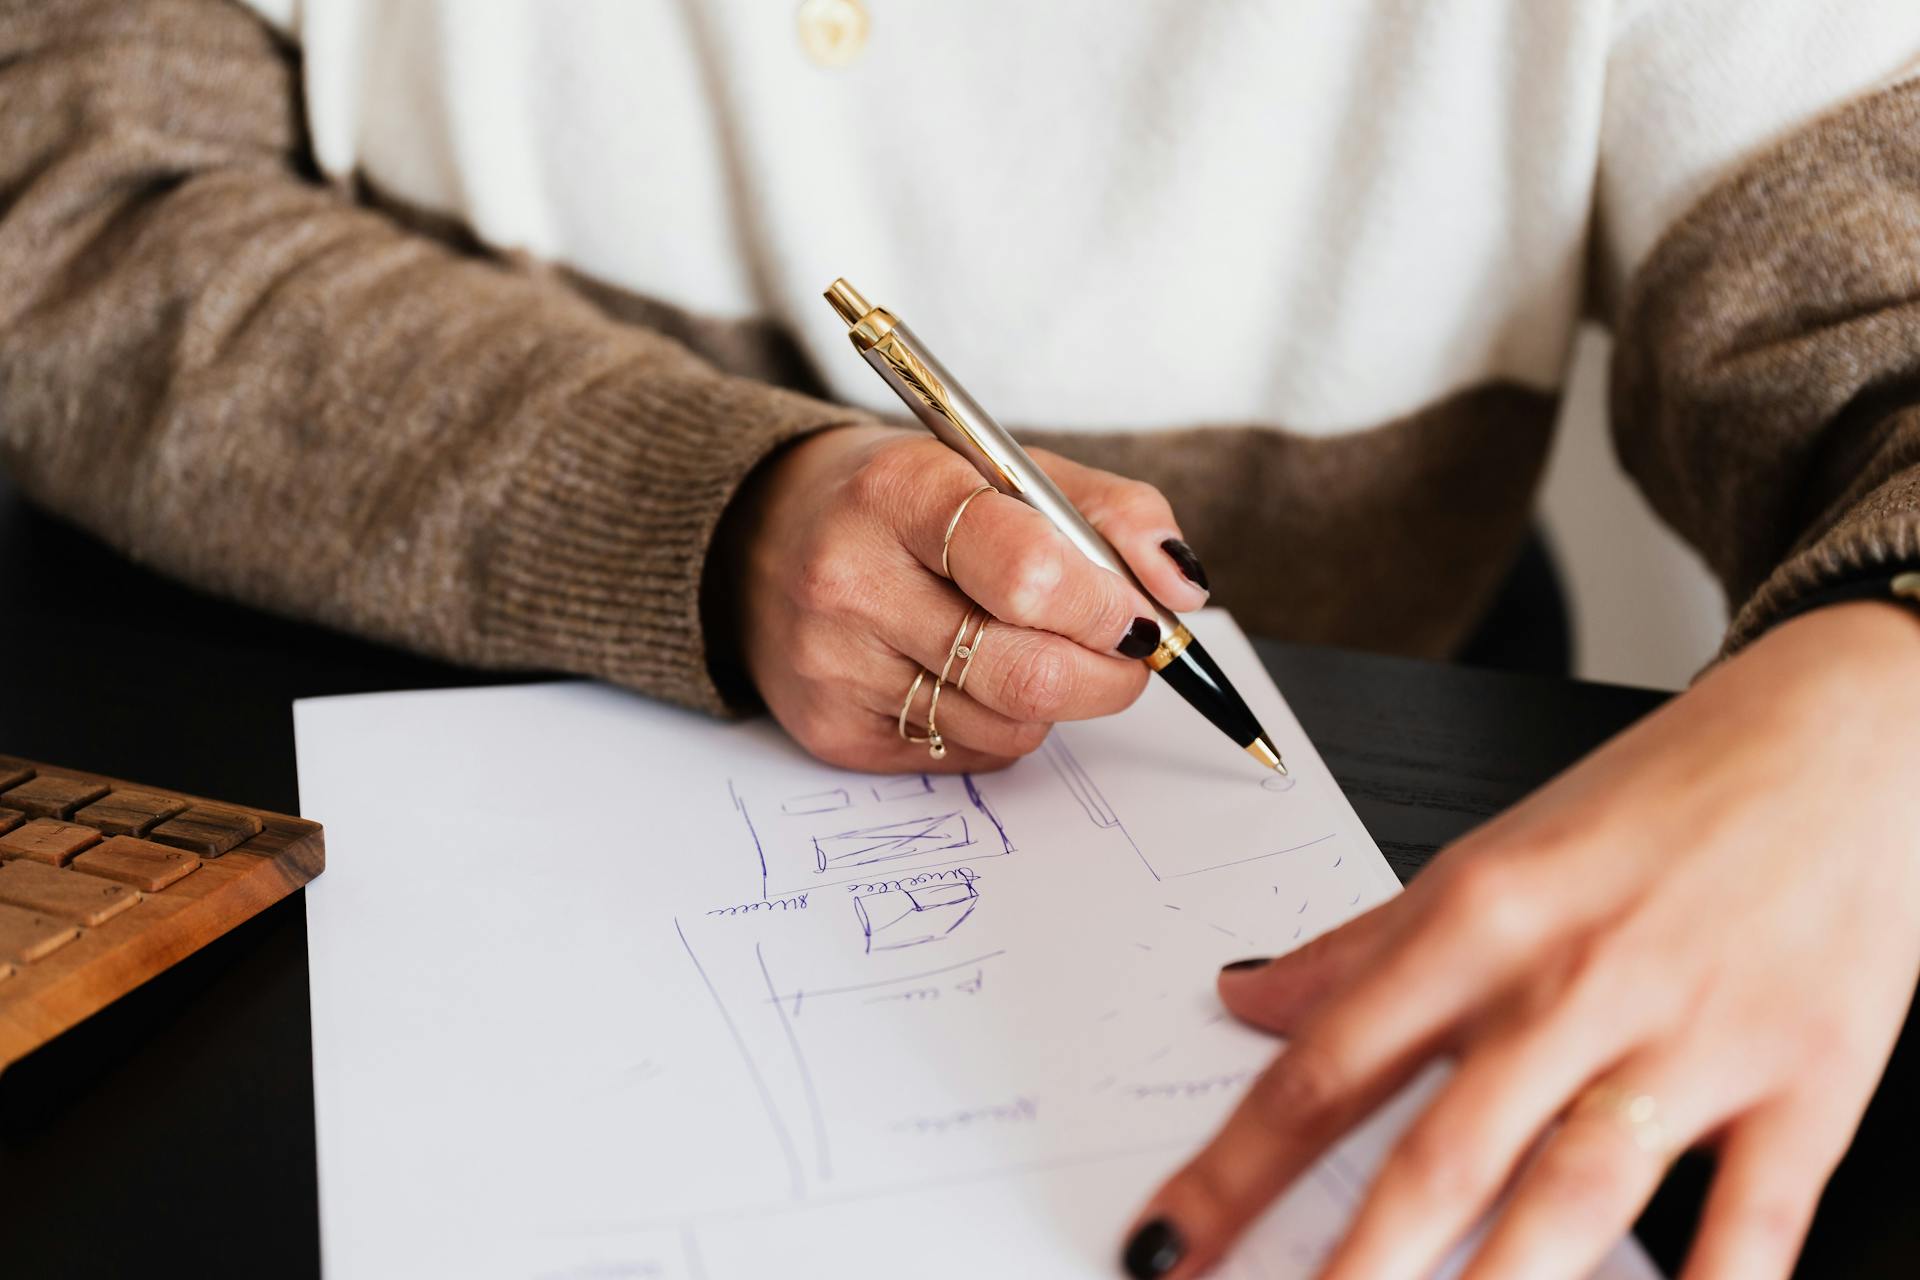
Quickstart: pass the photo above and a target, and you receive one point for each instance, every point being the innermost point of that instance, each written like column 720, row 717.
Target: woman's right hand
column 841, row 601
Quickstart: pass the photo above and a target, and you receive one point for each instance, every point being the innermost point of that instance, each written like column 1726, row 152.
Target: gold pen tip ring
column 1263, row 750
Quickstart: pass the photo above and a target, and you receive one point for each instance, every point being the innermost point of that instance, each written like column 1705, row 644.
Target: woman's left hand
column 1706, row 933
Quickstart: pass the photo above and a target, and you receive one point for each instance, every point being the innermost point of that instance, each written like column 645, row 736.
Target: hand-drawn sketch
column 1162, row 863
column 891, row 841
column 833, row 1015
column 910, row 915
column 817, row 802
column 1082, row 788
column 824, row 837
column 908, row 786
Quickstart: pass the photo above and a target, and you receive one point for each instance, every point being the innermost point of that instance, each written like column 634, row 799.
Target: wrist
column 752, row 519
column 1865, row 648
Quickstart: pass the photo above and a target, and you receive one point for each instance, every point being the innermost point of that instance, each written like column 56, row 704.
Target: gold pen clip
column 872, row 330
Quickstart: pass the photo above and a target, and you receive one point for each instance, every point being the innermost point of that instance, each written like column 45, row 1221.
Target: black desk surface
column 173, row 1132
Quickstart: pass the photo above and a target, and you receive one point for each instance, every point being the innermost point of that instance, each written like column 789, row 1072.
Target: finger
column 1446, row 1169
column 1462, row 943
column 1009, row 558
column 870, row 742
column 1772, row 1166
column 1273, row 994
column 1315, row 1091
column 1136, row 518
column 1348, row 1058
column 1025, row 675
column 1592, row 1175
column 962, row 721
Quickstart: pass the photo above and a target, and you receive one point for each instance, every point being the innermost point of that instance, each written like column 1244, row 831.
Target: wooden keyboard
column 103, row 884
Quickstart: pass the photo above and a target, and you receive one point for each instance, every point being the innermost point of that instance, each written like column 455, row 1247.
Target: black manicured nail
column 1154, row 1250
column 1142, row 638
column 1189, row 564
column 1241, row 966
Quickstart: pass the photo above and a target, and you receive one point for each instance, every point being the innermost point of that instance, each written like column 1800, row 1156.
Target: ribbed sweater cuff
column 1881, row 532
column 597, row 555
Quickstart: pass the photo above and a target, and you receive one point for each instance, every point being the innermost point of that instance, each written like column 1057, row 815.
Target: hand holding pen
column 837, row 561
column 958, row 421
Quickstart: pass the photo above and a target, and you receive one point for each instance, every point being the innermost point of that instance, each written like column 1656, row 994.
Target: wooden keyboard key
column 26, row 936
column 49, row 796
column 47, row 840
column 127, row 812
column 9, row 819
column 206, row 830
column 140, row 863
column 66, row 895
column 14, row 772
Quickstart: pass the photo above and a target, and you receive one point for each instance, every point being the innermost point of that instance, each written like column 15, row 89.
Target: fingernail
column 1154, row 1250
column 1142, row 638
column 1188, row 563
column 1242, row 966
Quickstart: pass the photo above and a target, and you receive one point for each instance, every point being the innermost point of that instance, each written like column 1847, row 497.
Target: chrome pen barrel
column 936, row 397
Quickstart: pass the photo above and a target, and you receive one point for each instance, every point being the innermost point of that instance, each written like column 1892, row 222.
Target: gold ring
column 967, row 651
column 1637, row 1113
column 906, row 709
column 946, row 540
column 937, row 745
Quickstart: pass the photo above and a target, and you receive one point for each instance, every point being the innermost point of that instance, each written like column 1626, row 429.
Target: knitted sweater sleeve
column 234, row 372
column 1766, row 382
column 1758, row 252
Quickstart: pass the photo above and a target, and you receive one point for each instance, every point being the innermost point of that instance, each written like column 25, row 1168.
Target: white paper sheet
column 605, row 989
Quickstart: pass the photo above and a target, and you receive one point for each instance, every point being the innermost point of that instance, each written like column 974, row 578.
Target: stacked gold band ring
column 963, row 650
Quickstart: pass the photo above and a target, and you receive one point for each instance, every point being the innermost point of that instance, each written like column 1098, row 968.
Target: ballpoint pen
column 904, row 363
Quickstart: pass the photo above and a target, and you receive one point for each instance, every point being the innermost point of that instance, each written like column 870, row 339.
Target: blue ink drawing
column 1161, row 864
column 817, row 802
column 885, row 843
column 906, row 787
column 911, row 915
column 840, row 834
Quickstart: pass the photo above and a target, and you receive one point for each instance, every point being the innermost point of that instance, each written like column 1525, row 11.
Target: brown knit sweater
column 267, row 385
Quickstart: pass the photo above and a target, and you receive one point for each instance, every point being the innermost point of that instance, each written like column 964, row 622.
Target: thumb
column 1135, row 518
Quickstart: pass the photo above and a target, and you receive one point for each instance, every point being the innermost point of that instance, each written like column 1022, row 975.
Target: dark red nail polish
column 1155, row 1249
column 1188, row 563
column 1244, row 966
column 1142, row 638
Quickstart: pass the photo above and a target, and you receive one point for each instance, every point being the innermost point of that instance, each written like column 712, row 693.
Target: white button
column 833, row 32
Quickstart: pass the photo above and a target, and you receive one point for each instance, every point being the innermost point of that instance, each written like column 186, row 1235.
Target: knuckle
column 1139, row 501
column 1300, row 1090
column 1039, row 686
column 827, row 583
column 1032, row 577
column 875, row 484
column 1485, row 897
column 1440, row 1166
